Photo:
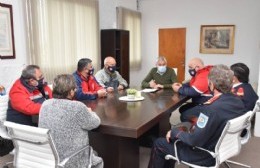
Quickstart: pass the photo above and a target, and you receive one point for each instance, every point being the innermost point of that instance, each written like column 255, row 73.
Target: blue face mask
column 112, row 69
column 192, row 72
column 161, row 69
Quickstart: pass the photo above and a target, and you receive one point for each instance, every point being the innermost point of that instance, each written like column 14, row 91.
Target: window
column 131, row 20
column 60, row 32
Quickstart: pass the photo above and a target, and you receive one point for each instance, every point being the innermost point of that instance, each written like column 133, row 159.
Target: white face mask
column 161, row 69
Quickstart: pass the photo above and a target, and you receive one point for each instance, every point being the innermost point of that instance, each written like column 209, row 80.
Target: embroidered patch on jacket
column 202, row 120
column 240, row 92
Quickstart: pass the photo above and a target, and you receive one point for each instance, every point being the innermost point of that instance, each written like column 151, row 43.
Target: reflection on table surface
column 132, row 119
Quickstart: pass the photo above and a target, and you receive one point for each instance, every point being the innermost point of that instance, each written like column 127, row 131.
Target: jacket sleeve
column 80, row 95
column 20, row 101
column 147, row 79
column 87, row 120
column 121, row 80
column 100, row 78
column 188, row 91
column 199, row 136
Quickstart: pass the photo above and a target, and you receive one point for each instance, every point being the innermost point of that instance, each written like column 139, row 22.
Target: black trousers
column 187, row 153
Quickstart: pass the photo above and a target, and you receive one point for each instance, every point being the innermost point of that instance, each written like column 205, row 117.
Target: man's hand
column 159, row 86
column 89, row 109
column 168, row 136
column 152, row 84
column 110, row 89
column 176, row 86
column 102, row 93
column 120, row 87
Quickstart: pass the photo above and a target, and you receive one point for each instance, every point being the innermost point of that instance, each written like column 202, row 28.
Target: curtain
column 60, row 32
column 131, row 20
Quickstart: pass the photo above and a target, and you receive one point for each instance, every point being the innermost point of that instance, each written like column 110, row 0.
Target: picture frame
column 7, row 47
column 217, row 39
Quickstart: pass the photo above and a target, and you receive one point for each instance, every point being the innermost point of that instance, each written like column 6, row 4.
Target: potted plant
column 131, row 93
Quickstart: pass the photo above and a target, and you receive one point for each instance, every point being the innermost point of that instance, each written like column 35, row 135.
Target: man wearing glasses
column 27, row 95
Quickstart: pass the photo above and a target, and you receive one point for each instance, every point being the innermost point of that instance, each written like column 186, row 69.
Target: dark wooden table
column 123, row 124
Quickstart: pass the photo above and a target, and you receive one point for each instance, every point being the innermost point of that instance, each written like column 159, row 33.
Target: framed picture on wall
column 217, row 39
column 7, row 49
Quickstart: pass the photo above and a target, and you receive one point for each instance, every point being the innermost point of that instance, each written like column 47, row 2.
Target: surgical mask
column 161, row 69
column 192, row 72
column 111, row 69
column 91, row 72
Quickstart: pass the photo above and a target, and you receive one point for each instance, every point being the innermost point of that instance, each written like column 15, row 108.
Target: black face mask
column 112, row 69
column 91, row 72
column 192, row 72
column 40, row 83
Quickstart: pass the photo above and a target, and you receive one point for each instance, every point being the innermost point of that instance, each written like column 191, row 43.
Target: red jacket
column 86, row 88
column 25, row 102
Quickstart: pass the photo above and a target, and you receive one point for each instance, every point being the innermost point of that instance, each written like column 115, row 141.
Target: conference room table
column 125, row 123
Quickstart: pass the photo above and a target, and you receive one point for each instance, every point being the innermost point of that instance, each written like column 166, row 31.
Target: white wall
column 164, row 14
column 107, row 11
column 174, row 14
column 10, row 69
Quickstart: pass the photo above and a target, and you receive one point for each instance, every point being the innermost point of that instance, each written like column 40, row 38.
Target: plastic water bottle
column 2, row 91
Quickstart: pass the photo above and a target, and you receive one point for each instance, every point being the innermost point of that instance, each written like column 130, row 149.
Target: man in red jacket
column 26, row 96
column 197, row 89
column 87, row 86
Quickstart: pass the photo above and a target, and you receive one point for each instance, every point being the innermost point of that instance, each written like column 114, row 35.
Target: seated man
column 197, row 88
column 87, row 86
column 109, row 78
column 206, row 132
column 241, row 87
column 160, row 76
column 27, row 95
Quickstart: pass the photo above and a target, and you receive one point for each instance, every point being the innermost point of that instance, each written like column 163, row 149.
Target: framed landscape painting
column 217, row 39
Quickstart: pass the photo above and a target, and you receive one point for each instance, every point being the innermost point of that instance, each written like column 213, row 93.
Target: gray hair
column 29, row 72
column 221, row 77
column 161, row 58
column 62, row 85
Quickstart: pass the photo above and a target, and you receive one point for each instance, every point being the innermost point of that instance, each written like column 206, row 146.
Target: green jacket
column 167, row 79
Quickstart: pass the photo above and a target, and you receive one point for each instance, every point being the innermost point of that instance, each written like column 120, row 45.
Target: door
column 172, row 45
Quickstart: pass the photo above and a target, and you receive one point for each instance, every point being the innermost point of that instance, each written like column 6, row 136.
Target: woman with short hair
column 69, row 122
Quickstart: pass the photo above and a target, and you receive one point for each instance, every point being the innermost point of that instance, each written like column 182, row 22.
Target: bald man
column 109, row 78
column 197, row 88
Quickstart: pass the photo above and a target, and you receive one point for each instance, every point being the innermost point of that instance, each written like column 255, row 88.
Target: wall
column 175, row 14
column 164, row 14
column 107, row 11
column 10, row 69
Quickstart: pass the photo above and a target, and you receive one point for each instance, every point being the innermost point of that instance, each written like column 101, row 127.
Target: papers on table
column 126, row 98
column 149, row 90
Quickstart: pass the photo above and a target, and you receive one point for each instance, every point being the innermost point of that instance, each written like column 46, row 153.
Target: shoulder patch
column 240, row 92
column 202, row 120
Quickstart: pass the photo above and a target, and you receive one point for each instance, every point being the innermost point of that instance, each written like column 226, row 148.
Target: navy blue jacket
column 206, row 134
column 247, row 95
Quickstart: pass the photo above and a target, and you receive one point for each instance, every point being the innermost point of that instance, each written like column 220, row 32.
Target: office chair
column 248, row 135
column 3, row 110
column 34, row 147
column 228, row 145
